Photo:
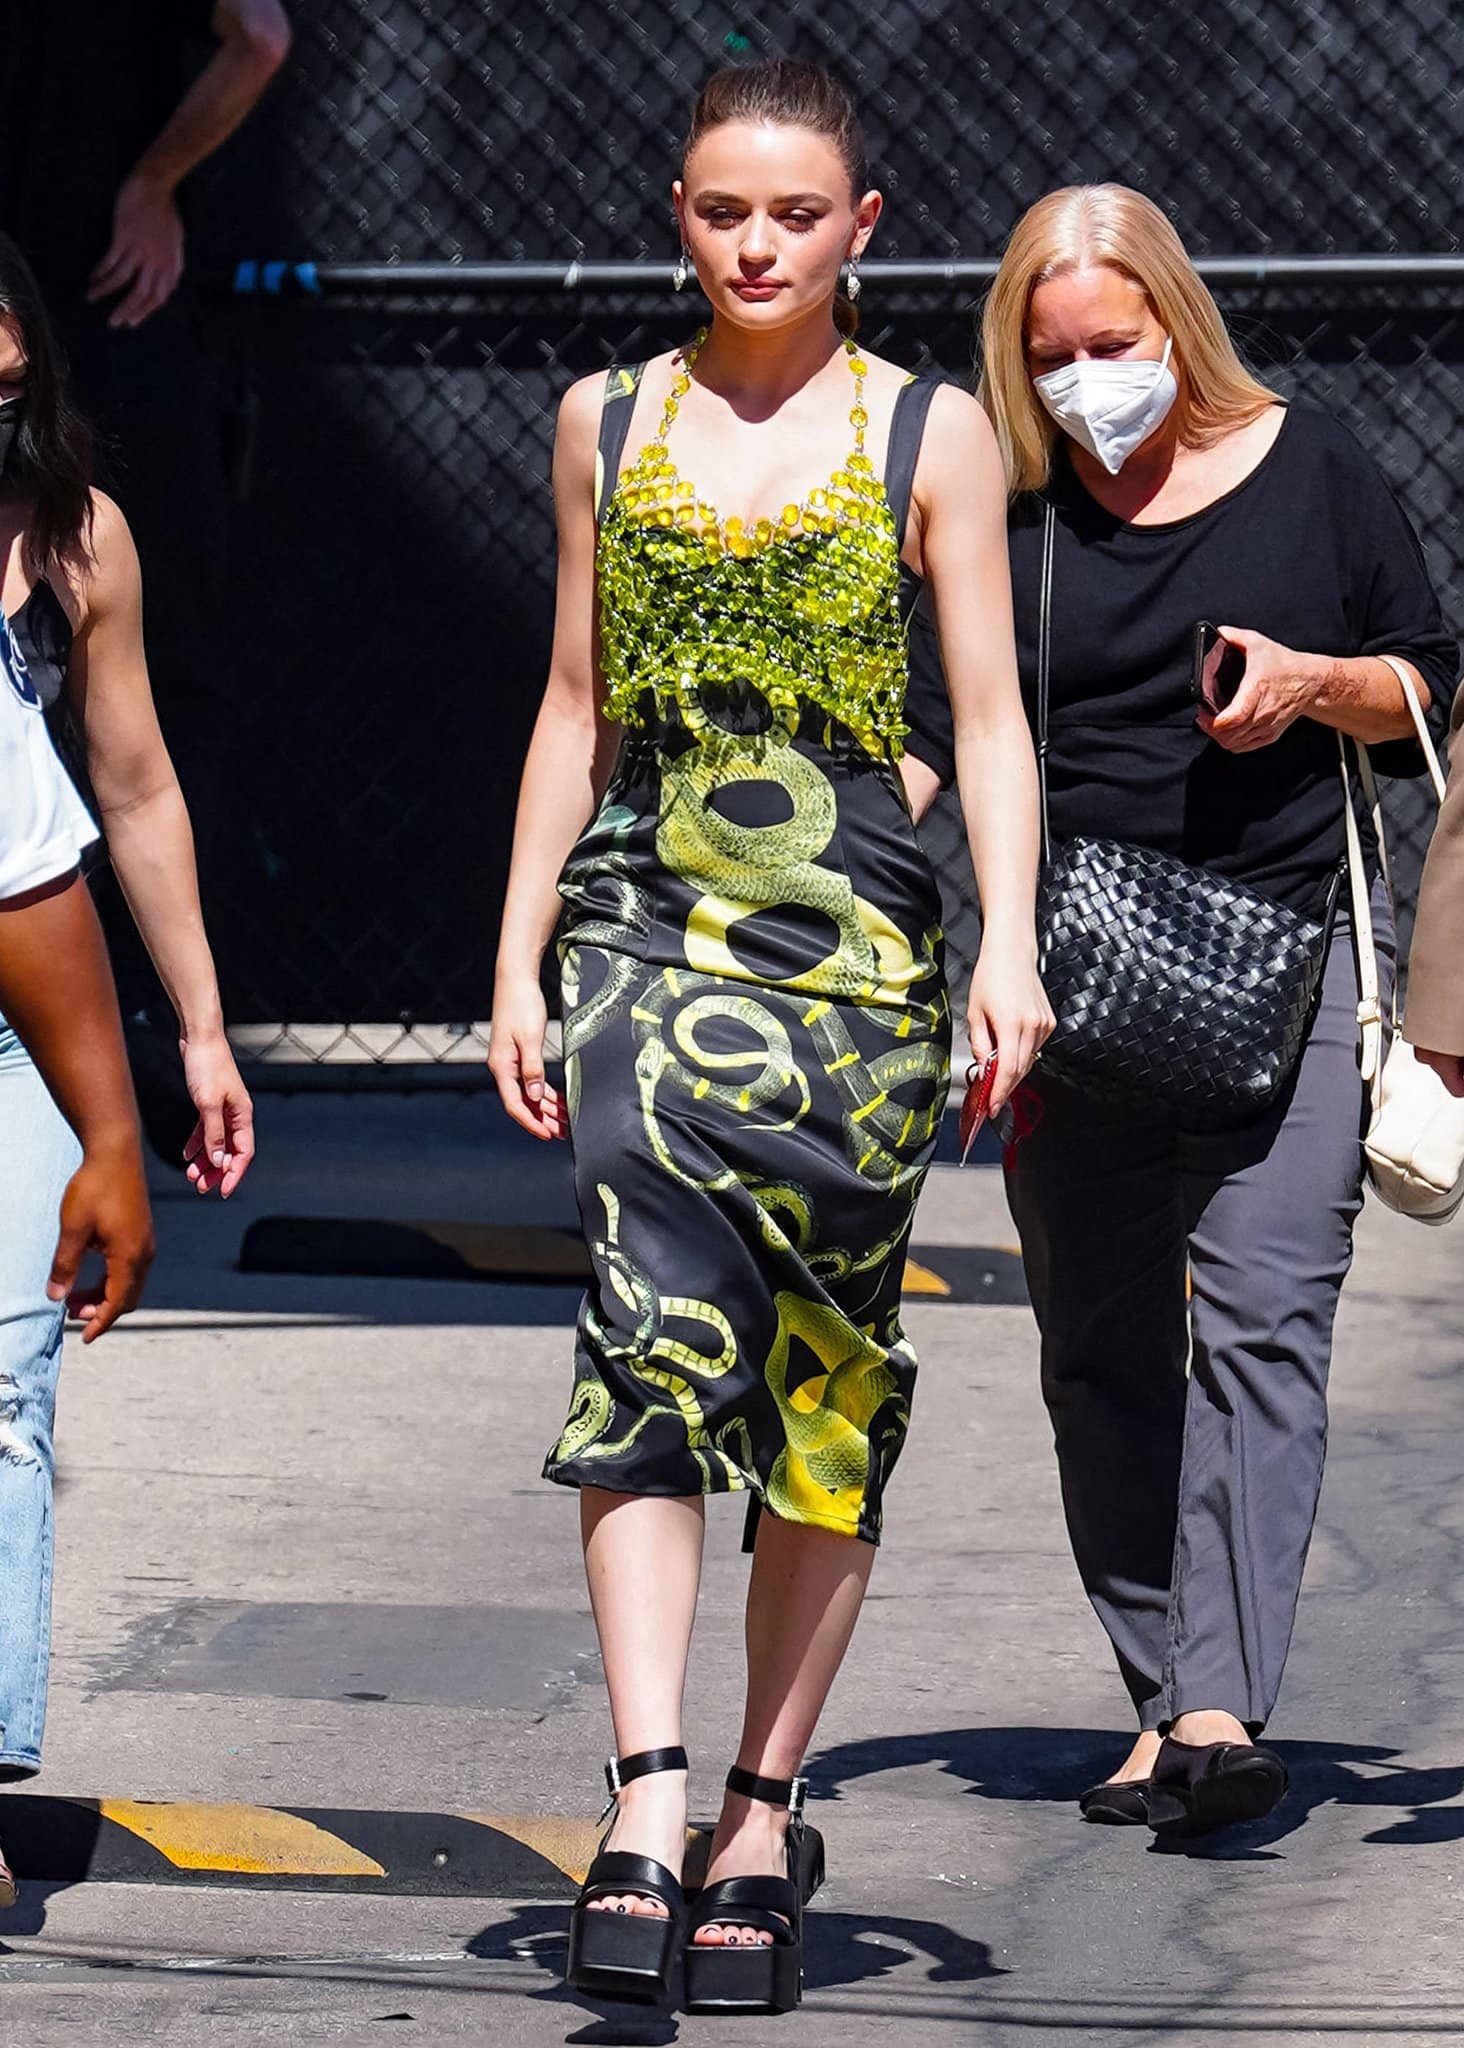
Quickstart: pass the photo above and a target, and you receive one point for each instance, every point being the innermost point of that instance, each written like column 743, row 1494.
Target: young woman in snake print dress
column 756, row 1024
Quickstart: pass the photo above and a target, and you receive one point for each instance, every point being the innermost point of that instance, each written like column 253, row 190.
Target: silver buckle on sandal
column 797, row 1796
column 612, row 1779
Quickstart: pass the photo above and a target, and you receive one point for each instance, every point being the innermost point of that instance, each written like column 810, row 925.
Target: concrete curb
column 307, row 1848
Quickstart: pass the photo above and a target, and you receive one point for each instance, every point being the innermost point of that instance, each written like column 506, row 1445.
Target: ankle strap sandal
column 621, row 1955
column 767, row 1977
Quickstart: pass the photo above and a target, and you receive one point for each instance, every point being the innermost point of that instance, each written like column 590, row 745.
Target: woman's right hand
column 105, row 1206
column 1008, row 1015
column 516, row 1060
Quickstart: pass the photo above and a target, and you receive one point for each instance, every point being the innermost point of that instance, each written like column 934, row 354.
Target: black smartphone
column 1219, row 667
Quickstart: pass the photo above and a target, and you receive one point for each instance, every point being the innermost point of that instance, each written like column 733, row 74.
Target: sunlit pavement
column 306, row 1563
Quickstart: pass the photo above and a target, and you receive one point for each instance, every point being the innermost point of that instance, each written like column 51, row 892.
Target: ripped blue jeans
column 38, row 1155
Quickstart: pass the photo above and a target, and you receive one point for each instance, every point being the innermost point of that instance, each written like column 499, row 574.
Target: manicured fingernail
column 218, row 1158
column 535, row 1091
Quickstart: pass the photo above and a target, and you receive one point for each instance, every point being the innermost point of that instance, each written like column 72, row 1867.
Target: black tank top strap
column 42, row 631
column 907, row 429
column 621, row 386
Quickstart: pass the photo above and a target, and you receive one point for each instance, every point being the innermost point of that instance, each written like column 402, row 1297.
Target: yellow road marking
column 920, row 1280
column 243, row 1838
column 570, row 1844
column 567, row 1844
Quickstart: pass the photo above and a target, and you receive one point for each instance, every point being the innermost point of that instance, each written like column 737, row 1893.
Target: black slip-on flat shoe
column 627, row 1956
column 1198, row 1787
column 1117, row 1803
column 767, row 1977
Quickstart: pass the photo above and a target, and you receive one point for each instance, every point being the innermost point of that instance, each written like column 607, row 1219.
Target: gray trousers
column 1191, row 1434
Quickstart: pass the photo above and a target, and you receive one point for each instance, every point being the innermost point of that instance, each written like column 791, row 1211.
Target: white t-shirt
column 44, row 826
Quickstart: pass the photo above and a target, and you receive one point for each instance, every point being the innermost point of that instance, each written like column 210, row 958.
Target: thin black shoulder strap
column 621, row 387
column 1044, row 661
column 907, row 429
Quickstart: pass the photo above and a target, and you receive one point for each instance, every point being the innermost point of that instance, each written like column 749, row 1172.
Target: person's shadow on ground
column 28, row 1914
column 1056, row 1764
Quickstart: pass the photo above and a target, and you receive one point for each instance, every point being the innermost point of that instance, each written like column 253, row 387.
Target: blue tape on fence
column 275, row 278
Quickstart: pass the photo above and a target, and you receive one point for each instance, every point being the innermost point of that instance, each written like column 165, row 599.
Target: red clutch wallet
column 980, row 1080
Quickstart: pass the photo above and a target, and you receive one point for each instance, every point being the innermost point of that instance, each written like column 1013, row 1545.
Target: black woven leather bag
column 1174, row 989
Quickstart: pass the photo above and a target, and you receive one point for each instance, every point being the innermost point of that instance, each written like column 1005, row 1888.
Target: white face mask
column 1110, row 407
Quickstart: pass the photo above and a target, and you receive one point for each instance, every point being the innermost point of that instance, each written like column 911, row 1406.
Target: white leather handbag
column 1415, row 1142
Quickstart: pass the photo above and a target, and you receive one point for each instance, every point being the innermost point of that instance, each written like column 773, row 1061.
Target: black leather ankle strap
column 789, row 1792
column 625, row 1770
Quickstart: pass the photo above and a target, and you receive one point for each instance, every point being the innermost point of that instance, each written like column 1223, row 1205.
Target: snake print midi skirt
column 757, row 1045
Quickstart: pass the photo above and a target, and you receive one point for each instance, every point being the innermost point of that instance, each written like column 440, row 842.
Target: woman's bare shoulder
column 103, row 560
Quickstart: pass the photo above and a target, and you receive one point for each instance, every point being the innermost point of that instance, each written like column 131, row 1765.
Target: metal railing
column 392, row 281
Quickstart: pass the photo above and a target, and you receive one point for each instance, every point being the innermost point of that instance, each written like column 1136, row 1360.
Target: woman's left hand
column 222, row 1145
column 1008, row 1014
column 1277, row 688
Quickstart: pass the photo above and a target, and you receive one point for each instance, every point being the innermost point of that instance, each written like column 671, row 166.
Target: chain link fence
column 393, row 556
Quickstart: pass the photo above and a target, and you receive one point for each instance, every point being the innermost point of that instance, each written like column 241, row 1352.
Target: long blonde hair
column 1072, row 229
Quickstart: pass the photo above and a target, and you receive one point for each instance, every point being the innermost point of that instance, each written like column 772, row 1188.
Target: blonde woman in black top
column 1190, row 1437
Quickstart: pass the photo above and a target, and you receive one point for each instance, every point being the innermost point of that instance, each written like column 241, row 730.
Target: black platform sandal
column 624, row 1955
column 768, row 1977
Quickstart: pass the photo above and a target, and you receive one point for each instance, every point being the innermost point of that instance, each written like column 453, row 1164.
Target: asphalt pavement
column 313, row 1598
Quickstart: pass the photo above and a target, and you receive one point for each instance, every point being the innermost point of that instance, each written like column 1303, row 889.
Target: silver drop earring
column 854, row 287
column 682, row 271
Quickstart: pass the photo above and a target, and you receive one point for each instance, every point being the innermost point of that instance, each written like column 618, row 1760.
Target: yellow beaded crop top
column 801, row 609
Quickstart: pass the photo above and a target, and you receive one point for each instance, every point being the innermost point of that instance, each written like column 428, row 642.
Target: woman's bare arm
column 962, row 497
column 149, row 837
column 56, row 992
column 1359, row 695
column 568, row 765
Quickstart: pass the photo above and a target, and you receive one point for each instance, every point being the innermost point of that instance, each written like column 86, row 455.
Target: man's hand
column 1449, row 1066
column 1277, row 688
column 145, row 259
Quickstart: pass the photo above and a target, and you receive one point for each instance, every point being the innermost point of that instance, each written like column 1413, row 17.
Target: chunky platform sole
column 762, row 1979
column 613, row 1954
column 623, row 1956
column 767, row 1978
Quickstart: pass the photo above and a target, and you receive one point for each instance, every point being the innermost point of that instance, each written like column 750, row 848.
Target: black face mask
column 10, row 413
